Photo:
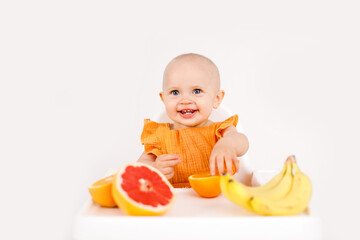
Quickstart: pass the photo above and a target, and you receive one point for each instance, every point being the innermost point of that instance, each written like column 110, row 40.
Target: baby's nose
column 185, row 100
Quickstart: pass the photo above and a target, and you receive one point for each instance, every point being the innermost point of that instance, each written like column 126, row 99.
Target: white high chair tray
column 193, row 217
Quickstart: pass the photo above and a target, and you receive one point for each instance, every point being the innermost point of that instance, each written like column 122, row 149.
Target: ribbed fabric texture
column 193, row 145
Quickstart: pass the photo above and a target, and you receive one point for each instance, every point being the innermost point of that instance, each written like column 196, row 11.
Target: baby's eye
column 197, row 91
column 174, row 92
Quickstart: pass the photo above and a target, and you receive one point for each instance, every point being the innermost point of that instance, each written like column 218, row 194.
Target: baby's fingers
column 212, row 163
column 170, row 175
column 167, row 157
column 228, row 162
column 236, row 162
column 167, row 171
column 169, row 163
column 167, row 160
column 220, row 164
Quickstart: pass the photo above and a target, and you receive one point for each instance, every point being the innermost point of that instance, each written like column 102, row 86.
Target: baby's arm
column 227, row 149
column 164, row 163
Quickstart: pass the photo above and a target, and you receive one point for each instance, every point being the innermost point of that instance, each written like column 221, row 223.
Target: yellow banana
column 287, row 193
column 235, row 191
column 240, row 194
column 273, row 182
column 280, row 189
column 292, row 204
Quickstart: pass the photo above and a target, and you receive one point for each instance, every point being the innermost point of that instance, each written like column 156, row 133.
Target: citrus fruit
column 205, row 185
column 101, row 192
column 141, row 190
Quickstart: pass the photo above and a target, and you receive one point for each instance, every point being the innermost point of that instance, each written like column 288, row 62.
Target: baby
column 192, row 143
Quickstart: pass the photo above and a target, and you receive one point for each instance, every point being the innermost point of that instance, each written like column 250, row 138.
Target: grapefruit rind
column 131, row 207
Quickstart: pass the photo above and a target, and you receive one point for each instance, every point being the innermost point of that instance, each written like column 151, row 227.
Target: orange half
column 206, row 185
column 101, row 192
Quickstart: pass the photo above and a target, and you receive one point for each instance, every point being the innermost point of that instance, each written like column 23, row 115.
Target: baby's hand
column 223, row 152
column 165, row 163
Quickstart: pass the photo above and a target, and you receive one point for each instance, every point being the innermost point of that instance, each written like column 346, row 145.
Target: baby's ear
column 218, row 98
column 161, row 96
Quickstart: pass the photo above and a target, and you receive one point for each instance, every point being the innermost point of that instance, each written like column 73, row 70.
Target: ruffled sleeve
column 221, row 126
column 150, row 138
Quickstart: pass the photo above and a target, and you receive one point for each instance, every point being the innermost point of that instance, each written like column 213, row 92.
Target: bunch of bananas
column 288, row 193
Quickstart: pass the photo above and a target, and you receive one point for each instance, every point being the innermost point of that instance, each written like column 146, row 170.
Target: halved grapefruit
column 141, row 190
column 101, row 192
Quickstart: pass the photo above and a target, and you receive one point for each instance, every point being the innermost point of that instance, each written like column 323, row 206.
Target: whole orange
column 205, row 185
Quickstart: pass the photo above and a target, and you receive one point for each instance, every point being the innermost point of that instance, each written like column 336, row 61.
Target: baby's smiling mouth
column 187, row 113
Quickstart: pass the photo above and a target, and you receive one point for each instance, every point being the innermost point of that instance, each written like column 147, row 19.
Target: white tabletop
column 192, row 217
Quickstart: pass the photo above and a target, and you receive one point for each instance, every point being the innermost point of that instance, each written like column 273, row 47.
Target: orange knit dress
column 192, row 145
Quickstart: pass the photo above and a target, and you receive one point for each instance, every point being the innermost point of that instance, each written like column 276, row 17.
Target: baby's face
column 190, row 92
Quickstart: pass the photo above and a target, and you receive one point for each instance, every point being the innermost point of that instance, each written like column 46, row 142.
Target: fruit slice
column 205, row 185
column 141, row 190
column 101, row 192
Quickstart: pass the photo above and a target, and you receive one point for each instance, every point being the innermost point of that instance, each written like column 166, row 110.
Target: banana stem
column 291, row 159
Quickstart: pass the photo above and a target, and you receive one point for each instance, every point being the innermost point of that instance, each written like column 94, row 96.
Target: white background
column 77, row 78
